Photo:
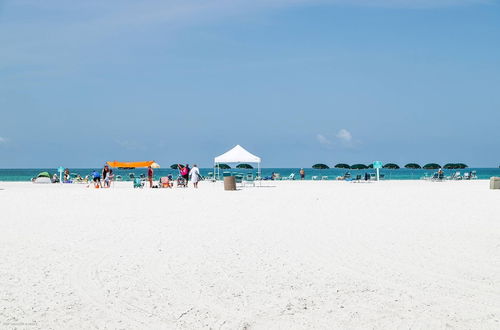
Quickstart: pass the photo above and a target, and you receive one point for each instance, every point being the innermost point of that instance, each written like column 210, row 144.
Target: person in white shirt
column 195, row 175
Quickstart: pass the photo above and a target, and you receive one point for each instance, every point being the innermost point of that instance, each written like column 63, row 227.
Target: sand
column 299, row 255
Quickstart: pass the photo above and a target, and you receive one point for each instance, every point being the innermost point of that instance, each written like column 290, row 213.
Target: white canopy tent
column 236, row 155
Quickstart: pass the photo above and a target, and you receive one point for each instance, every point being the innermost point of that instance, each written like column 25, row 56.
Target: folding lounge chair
column 238, row 178
column 181, row 182
column 249, row 180
column 138, row 183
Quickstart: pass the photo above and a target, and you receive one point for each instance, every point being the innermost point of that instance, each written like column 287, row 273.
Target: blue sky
column 295, row 82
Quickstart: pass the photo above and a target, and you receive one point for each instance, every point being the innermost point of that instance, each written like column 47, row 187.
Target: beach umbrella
column 359, row 167
column 391, row 166
column 223, row 166
column 432, row 166
column 174, row 166
column 320, row 167
column 245, row 166
column 455, row 166
column 341, row 165
column 155, row 165
column 370, row 165
column 413, row 166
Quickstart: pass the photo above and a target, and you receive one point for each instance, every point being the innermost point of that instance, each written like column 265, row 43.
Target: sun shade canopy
column 130, row 164
column 237, row 155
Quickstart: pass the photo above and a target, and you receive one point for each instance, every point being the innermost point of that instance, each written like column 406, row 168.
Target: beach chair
column 277, row 176
column 324, row 177
column 210, row 176
column 438, row 177
column 314, row 178
column 224, row 174
column 138, row 183
column 249, row 180
column 466, row 176
column 290, row 177
column 181, row 182
column 131, row 176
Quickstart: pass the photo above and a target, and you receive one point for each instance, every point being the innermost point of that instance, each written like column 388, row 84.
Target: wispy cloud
column 323, row 139
column 344, row 136
column 342, row 139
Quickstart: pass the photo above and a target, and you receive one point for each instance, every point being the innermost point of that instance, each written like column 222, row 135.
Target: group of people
column 186, row 174
column 103, row 179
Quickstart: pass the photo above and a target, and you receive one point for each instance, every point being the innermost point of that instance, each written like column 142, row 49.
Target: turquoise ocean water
column 401, row 174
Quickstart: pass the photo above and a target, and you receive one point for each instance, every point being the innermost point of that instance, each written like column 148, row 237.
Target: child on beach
column 108, row 179
column 97, row 179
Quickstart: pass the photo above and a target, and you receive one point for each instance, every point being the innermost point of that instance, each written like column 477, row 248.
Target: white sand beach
column 299, row 255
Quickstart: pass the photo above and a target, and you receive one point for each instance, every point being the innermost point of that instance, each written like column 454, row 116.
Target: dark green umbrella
column 359, row 167
column 391, row 166
column 413, row 166
column 450, row 166
column 223, row 166
column 341, row 165
column 432, row 166
column 245, row 166
column 320, row 167
column 174, row 166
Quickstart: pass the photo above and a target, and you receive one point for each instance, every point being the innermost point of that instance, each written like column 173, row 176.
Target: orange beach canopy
column 130, row 164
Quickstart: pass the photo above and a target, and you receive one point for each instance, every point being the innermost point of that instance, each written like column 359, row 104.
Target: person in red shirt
column 150, row 176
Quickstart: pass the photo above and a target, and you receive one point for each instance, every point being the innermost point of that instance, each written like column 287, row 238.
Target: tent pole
column 259, row 174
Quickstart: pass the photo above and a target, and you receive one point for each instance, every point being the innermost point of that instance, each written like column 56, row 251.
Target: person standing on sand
column 150, row 176
column 195, row 175
column 104, row 175
column 302, row 174
column 186, row 173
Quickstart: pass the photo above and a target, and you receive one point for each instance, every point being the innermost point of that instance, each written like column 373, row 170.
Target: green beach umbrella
column 391, row 166
column 320, row 167
column 455, row 166
column 341, row 165
column 245, row 166
column 359, row 167
column 432, row 166
column 223, row 166
column 174, row 166
column 413, row 166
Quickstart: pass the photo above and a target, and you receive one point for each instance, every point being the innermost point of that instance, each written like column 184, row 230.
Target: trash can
column 495, row 182
column 229, row 183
